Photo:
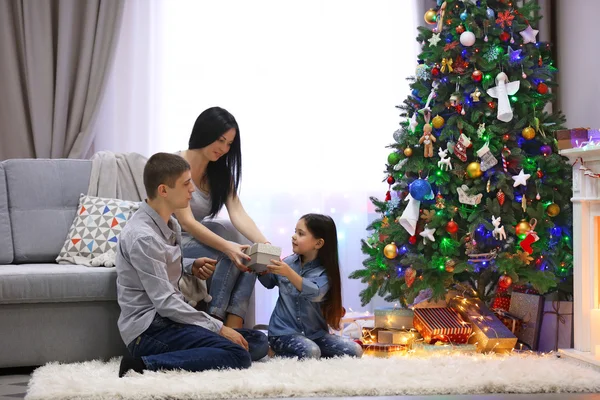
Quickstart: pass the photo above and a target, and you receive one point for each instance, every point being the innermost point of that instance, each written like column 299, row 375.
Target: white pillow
column 95, row 229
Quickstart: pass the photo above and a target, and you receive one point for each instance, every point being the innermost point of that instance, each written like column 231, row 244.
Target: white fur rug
column 369, row 376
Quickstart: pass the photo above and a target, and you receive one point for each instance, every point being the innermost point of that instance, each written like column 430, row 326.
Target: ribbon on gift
column 446, row 63
column 512, row 318
column 559, row 318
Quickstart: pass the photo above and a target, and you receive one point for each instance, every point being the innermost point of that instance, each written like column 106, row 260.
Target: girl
column 214, row 154
column 310, row 295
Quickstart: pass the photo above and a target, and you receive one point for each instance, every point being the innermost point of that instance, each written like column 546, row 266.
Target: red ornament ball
column 391, row 180
column 477, row 75
column 540, row 173
column 492, row 105
column 458, row 108
column 412, row 239
column 451, row 227
column 542, row 88
column 435, row 71
column 504, row 36
column 505, row 281
column 506, row 137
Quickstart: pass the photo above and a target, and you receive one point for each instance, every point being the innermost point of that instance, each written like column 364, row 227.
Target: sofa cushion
column 6, row 246
column 52, row 283
column 42, row 201
column 95, row 229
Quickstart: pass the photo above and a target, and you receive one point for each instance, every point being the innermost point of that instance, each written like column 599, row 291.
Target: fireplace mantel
column 586, row 252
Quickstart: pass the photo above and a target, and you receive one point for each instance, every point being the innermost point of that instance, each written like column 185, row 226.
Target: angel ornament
column 501, row 91
column 427, row 140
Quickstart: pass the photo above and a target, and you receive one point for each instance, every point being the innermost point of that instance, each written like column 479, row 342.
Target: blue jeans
column 230, row 288
column 326, row 346
column 170, row 345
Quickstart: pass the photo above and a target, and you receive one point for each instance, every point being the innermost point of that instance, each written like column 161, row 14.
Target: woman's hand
column 236, row 254
column 278, row 267
column 203, row 267
column 234, row 336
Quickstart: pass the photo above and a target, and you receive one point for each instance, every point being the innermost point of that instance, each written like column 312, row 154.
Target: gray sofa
column 51, row 312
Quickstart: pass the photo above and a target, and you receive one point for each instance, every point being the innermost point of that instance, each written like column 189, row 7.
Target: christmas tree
column 479, row 196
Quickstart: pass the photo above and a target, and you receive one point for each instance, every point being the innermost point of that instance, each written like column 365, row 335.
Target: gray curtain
column 54, row 60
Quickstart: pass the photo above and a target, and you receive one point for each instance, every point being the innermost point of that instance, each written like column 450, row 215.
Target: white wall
column 578, row 62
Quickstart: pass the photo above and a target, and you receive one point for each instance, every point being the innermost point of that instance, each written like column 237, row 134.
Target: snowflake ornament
column 492, row 54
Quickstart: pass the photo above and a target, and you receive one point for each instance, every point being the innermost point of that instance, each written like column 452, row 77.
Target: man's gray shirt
column 149, row 266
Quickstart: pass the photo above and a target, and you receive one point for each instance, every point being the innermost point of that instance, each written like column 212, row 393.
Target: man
column 160, row 329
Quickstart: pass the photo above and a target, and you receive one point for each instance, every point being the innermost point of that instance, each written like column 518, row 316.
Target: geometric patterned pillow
column 95, row 229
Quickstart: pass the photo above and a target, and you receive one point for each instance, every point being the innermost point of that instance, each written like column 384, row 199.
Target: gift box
column 556, row 331
column 396, row 337
column 394, row 318
column 261, row 255
column 502, row 299
column 383, row 350
column 489, row 333
column 570, row 138
column 509, row 320
column 594, row 135
column 441, row 324
column 528, row 308
column 421, row 348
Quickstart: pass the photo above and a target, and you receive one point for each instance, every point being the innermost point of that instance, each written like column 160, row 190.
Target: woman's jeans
column 326, row 346
column 169, row 345
column 229, row 288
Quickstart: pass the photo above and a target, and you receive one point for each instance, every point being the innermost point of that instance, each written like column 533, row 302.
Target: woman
column 215, row 158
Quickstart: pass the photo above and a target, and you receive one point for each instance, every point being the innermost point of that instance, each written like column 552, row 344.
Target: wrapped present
column 502, row 299
column 441, row 324
column 556, row 330
column 489, row 333
column 383, row 350
column 527, row 289
column 509, row 320
column 394, row 318
column 594, row 135
column 529, row 308
column 443, row 348
column 353, row 322
column 261, row 255
column 570, row 138
column 396, row 337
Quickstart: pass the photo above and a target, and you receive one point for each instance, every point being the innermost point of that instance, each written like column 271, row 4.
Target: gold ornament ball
column 430, row 16
column 474, row 170
column 553, row 210
column 408, row 152
column 522, row 228
column 438, row 122
column 449, row 265
column 528, row 133
column 390, row 251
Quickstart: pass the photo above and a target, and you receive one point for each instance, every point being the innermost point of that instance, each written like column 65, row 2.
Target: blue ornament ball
column 490, row 13
column 420, row 189
column 463, row 15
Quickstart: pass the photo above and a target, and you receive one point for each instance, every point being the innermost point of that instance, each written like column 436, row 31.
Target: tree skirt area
column 369, row 376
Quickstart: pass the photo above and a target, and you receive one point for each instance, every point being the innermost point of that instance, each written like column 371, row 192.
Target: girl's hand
column 236, row 254
column 203, row 267
column 278, row 267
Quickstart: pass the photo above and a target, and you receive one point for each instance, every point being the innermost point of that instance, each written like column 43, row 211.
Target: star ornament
column 428, row 234
column 475, row 96
column 514, row 55
column 434, row 40
column 520, row 179
column 529, row 35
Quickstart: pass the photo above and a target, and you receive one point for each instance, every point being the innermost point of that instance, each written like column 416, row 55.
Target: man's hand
column 236, row 253
column 203, row 267
column 278, row 267
column 234, row 336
